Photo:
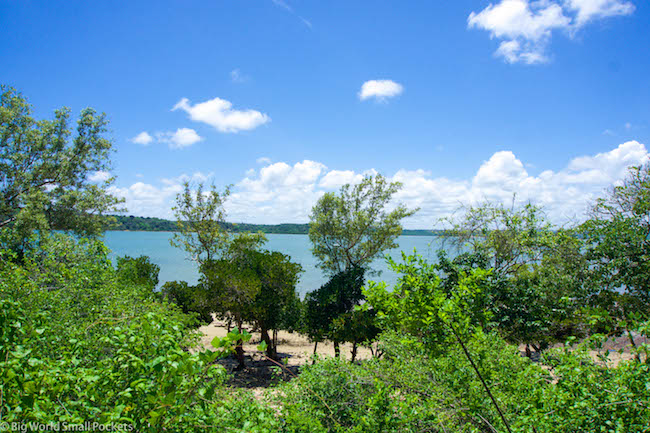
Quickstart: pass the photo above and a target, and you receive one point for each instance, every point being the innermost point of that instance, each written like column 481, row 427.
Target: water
column 175, row 264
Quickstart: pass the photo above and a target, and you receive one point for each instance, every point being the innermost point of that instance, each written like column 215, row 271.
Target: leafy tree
column 140, row 271
column 253, row 285
column 45, row 172
column 191, row 299
column 357, row 327
column 199, row 216
column 278, row 277
column 536, row 290
column 327, row 306
column 617, row 240
column 348, row 231
column 352, row 228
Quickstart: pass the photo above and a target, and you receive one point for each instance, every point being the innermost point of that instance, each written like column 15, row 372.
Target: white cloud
column 337, row 178
column 99, row 176
column 142, row 138
column 183, row 137
column 282, row 192
column 219, row 114
column 380, row 89
column 525, row 27
column 587, row 10
column 263, row 160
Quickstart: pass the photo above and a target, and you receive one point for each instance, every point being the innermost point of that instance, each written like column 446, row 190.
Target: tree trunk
column 313, row 361
column 239, row 349
column 354, row 351
column 270, row 346
column 337, row 349
column 275, row 341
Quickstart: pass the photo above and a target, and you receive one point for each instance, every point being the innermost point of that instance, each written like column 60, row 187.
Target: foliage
column 352, row 228
column 421, row 306
column 152, row 224
column 199, row 218
column 407, row 390
column 537, row 287
column 618, row 249
column 253, row 285
column 139, row 271
column 82, row 341
column 45, row 172
column 331, row 302
column 590, row 395
column 190, row 299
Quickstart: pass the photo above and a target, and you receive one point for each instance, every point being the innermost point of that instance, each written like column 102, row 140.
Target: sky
column 463, row 102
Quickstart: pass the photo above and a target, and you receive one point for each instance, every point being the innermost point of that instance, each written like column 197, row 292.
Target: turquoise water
column 175, row 264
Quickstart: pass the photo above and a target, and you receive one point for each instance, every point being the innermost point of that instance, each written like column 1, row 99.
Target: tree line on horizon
column 154, row 224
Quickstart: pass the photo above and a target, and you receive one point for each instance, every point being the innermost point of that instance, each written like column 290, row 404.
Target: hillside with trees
column 153, row 224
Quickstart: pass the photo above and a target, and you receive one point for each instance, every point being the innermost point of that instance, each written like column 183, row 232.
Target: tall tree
column 328, row 307
column 200, row 216
column 353, row 227
column 618, row 248
column 348, row 231
column 45, row 171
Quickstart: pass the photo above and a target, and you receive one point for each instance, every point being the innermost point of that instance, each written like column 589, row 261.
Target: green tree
column 618, row 250
column 140, row 271
column 191, row 299
column 536, row 289
column 199, row 216
column 252, row 285
column 327, row 307
column 45, row 171
column 353, row 227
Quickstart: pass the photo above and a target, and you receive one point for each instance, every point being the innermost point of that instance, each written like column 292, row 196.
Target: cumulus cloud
column 282, row 192
column 380, row 90
column 219, row 114
column 142, row 138
column 99, row 176
column 183, row 137
column 145, row 199
column 525, row 27
column 337, row 178
column 587, row 10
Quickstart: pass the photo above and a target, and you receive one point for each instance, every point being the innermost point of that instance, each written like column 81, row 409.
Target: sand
column 293, row 347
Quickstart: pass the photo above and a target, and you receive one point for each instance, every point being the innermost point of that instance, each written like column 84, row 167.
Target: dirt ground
column 294, row 350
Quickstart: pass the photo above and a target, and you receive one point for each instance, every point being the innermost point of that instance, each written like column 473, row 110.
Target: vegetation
column 329, row 309
column 535, row 289
column 348, row 231
column 199, row 217
column 81, row 339
column 352, row 228
column 45, row 172
column 255, row 286
column 152, row 224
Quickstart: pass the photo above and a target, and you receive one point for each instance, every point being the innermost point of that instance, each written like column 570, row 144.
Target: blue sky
column 462, row 101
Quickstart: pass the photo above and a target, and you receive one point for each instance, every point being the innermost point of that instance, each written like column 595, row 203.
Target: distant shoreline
column 151, row 224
